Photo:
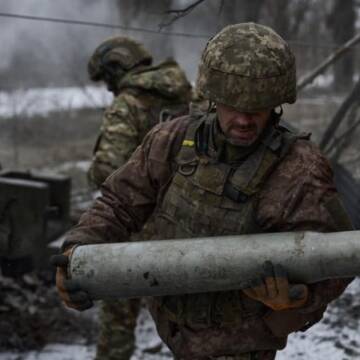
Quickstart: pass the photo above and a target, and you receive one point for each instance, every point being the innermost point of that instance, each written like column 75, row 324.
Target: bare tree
column 298, row 11
column 230, row 11
column 331, row 59
column 341, row 22
column 341, row 142
column 239, row 11
column 129, row 10
column 176, row 14
column 147, row 13
column 351, row 99
column 278, row 10
column 285, row 16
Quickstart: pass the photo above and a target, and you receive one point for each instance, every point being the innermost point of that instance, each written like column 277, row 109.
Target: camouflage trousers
column 117, row 324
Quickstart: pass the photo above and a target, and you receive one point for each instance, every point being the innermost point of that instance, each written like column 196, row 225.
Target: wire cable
column 103, row 25
column 145, row 30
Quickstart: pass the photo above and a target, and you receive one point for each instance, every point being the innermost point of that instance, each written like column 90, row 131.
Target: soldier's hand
column 69, row 291
column 273, row 289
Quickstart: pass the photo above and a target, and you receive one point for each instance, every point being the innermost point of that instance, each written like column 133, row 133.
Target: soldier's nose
column 244, row 118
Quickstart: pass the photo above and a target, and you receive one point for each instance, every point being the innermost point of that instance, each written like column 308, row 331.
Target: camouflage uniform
column 193, row 179
column 117, row 325
column 144, row 95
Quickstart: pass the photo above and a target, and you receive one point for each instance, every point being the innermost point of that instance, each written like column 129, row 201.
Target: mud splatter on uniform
column 298, row 194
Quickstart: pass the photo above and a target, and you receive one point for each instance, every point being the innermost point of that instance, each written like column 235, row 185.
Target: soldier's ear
column 114, row 68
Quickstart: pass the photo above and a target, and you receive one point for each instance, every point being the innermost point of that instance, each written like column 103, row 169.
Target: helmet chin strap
column 277, row 113
column 112, row 78
column 211, row 107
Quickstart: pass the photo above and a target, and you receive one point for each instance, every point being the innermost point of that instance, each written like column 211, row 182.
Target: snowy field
column 43, row 101
column 337, row 337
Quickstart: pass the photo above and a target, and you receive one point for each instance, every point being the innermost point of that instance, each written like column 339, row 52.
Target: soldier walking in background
column 237, row 169
column 144, row 95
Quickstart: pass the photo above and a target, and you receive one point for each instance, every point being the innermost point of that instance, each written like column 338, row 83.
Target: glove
column 69, row 291
column 273, row 289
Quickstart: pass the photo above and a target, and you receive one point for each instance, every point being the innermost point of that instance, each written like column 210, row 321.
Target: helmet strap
column 277, row 113
column 211, row 107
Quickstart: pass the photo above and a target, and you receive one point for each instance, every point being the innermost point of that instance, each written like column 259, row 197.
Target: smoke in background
column 38, row 54
column 35, row 54
column 42, row 53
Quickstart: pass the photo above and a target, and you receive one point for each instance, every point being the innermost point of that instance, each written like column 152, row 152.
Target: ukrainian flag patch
column 189, row 143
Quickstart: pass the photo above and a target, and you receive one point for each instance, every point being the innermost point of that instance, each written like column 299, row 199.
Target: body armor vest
column 211, row 198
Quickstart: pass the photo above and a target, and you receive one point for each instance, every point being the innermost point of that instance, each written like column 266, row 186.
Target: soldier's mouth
column 244, row 133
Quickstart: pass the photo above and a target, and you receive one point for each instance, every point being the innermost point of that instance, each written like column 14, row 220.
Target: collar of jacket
column 166, row 79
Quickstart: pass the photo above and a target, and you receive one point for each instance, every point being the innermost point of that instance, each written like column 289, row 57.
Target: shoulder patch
column 189, row 143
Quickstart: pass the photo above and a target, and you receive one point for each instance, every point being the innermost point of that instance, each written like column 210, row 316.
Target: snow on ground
column 323, row 341
column 325, row 81
column 337, row 337
column 41, row 101
column 55, row 352
column 322, row 81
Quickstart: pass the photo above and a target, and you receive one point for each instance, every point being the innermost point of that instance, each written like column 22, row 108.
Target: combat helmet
column 249, row 67
column 116, row 56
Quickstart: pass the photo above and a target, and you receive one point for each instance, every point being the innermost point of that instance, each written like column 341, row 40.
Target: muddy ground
column 33, row 323
column 39, row 327
column 32, row 315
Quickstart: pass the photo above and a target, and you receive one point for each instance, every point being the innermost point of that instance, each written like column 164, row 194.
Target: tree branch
column 339, row 116
column 221, row 7
column 179, row 13
column 340, row 143
column 299, row 15
column 309, row 78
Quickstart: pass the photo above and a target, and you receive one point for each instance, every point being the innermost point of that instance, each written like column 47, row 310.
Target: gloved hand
column 69, row 291
column 273, row 289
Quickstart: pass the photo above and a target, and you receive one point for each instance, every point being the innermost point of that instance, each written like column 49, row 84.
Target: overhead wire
column 143, row 30
column 103, row 25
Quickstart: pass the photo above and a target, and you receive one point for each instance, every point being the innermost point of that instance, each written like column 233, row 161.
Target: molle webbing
column 245, row 180
column 211, row 198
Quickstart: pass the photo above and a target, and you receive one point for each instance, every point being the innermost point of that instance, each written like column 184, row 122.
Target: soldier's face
column 241, row 128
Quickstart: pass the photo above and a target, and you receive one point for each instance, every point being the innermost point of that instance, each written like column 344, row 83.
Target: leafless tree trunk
column 341, row 143
column 341, row 22
column 176, row 14
column 129, row 11
column 147, row 14
column 240, row 11
column 308, row 78
column 338, row 118
column 281, row 20
column 286, row 17
column 298, row 11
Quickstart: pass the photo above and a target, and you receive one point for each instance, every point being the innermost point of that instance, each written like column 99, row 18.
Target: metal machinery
column 34, row 210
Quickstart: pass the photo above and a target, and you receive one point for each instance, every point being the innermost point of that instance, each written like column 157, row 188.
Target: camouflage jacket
column 145, row 95
column 297, row 196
